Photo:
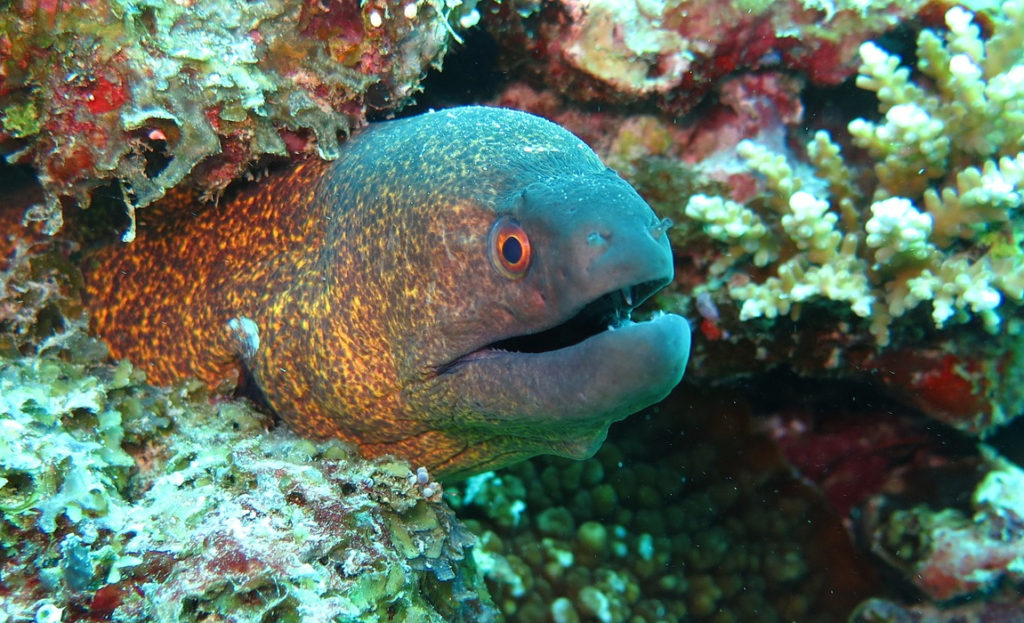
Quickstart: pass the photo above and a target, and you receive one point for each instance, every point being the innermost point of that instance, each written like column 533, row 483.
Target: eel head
column 547, row 356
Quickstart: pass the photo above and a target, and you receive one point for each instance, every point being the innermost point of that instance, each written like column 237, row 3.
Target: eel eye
column 509, row 248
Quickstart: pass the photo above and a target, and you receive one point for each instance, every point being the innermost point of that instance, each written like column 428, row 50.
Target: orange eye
column 509, row 248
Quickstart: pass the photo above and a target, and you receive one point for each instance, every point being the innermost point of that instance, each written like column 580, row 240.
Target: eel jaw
column 605, row 313
column 558, row 390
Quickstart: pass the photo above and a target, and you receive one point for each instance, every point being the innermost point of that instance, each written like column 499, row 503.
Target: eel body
column 454, row 289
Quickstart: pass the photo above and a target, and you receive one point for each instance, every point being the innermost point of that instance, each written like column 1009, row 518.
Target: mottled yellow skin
column 366, row 277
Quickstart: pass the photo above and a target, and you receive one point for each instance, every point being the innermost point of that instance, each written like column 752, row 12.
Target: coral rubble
column 147, row 92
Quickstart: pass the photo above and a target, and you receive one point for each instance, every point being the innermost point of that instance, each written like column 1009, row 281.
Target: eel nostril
column 597, row 239
column 659, row 228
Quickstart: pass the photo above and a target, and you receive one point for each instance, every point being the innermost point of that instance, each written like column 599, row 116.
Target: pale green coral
column 945, row 222
column 181, row 510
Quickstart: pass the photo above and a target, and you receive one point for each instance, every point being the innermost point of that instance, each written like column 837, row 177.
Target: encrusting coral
column 147, row 92
column 943, row 223
column 675, row 52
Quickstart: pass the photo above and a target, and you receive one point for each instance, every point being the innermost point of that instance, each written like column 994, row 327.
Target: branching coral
column 944, row 223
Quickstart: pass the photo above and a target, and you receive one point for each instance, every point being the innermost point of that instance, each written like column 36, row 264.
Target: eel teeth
column 627, row 296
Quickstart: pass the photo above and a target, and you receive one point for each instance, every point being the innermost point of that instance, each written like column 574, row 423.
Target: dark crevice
column 469, row 75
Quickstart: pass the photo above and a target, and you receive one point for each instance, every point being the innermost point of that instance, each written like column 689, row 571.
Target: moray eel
column 454, row 289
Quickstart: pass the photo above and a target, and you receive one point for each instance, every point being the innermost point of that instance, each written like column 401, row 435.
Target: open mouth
column 607, row 312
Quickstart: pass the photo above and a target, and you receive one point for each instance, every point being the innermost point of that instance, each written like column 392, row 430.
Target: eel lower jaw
column 577, row 390
column 561, row 401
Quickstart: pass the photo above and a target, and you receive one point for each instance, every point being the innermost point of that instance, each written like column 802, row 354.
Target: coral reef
column 940, row 222
column 887, row 250
column 146, row 92
column 886, row 253
column 685, row 514
column 673, row 53
column 125, row 502
column 906, row 246
column 132, row 504
column 939, row 510
column 805, row 254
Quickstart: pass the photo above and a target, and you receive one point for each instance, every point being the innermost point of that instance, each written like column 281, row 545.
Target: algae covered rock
column 146, row 93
